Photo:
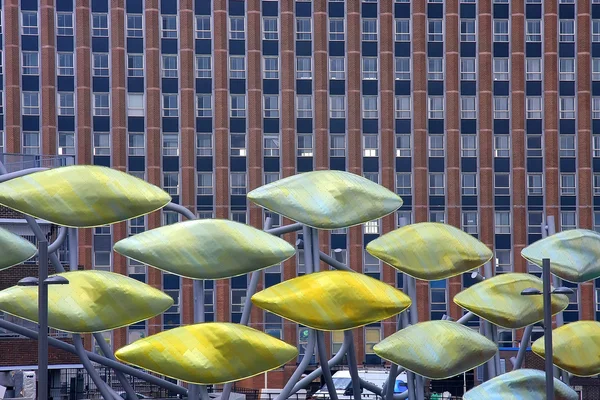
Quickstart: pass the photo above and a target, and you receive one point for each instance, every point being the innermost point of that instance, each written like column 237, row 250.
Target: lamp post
column 547, row 292
column 43, row 314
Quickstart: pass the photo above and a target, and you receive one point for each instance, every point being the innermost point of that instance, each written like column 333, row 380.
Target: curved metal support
column 333, row 262
column 281, row 230
column 518, row 362
column 180, row 209
column 254, row 278
column 107, row 351
column 95, row 357
column 309, row 351
column 100, row 384
column 325, row 365
column 353, row 366
column 7, row 177
column 317, row 372
column 60, row 239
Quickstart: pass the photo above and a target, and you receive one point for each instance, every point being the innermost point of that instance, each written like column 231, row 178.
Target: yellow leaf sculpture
column 206, row 249
column 333, row 300
column 327, row 199
column 575, row 347
column 82, row 196
column 574, row 254
column 430, row 251
column 499, row 300
column 14, row 249
column 208, row 354
column 436, row 349
column 93, row 301
column 521, row 384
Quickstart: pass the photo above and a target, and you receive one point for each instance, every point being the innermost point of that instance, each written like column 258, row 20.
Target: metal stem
column 281, row 230
column 315, row 249
column 100, row 384
column 307, row 240
column 308, row 353
column 325, row 366
column 43, row 321
column 180, row 209
column 518, row 363
column 6, row 177
column 60, row 239
column 353, row 366
column 95, row 357
column 333, row 262
column 317, row 372
column 548, row 329
column 488, row 329
column 107, row 351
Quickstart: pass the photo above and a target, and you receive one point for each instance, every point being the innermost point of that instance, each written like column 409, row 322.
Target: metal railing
column 17, row 162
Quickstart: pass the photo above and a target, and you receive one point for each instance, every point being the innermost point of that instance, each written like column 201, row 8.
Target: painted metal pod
column 82, row 196
column 430, row 251
column 575, row 348
column 206, row 249
column 14, row 249
column 520, row 384
column 333, row 300
column 574, row 254
column 92, row 301
column 208, row 354
column 327, row 199
column 499, row 300
column 436, row 349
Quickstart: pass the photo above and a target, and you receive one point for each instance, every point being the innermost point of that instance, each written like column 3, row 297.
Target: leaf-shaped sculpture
column 82, row 196
column 520, row 384
column 14, row 249
column 499, row 300
column 436, row 349
column 574, row 254
column 333, row 300
column 206, row 249
column 575, row 347
column 208, row 354
column 430, row 251
column 92, row 301
column 327, row 199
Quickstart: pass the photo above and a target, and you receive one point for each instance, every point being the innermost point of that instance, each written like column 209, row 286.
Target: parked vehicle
column 343, row 384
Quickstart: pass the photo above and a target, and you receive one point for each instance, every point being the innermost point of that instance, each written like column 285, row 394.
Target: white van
column 343, row 384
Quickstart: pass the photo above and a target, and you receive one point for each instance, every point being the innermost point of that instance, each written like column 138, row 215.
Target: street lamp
column 43, row 314
column 547, row 292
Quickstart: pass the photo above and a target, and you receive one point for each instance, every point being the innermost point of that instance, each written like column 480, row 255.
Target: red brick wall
column 15, row 352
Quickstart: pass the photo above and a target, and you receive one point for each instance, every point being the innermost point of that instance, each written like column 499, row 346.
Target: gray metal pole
column 488, row 329
column 96, row 358
column 337, row 264
column 42, row 391
column 317, row 372
column 353, row 366
column 105, row 347
column 315, row 249
column 100, row 384
column 280, row 230
column 548, row 330
column 6, row 177
column 325, row 365
column 307, row 240
column 308, row 353
column 523, row 349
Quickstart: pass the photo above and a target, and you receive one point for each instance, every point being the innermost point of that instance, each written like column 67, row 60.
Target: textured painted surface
column 210, row 353
column 82, row 196
column 499, row 300
column 93, row 301
column 430, row 251
column 206, row 249
column 520, row 384
column 436, row 349
column 333, row 300
column 575, row 346
column 574, row 254
column 14, row 249
column 327, row 199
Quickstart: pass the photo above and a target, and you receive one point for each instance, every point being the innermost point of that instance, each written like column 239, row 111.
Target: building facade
column 481, row 114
